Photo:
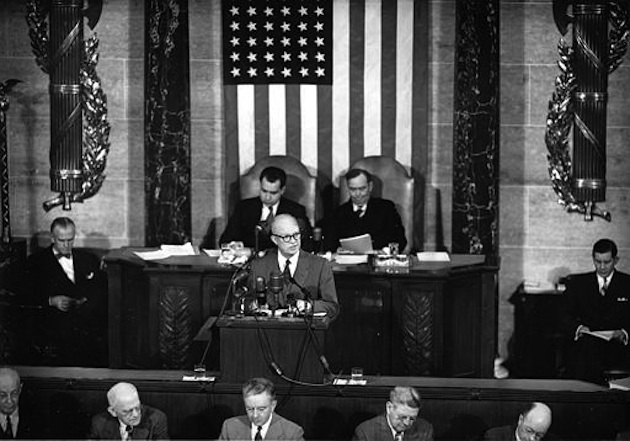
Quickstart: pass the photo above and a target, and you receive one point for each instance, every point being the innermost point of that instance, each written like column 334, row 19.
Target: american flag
column 375, row 52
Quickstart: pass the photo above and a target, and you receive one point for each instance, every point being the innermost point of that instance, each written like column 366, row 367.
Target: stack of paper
column 167, row 251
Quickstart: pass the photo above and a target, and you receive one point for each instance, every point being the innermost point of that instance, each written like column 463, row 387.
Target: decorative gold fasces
column 569, row 104
column 91, row 105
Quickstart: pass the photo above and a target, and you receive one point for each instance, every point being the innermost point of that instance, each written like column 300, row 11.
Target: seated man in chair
column 252, row 216
column 363, row 213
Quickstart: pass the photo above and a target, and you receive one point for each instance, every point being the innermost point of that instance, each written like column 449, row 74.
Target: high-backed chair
column 301, row 185
column 391, row 181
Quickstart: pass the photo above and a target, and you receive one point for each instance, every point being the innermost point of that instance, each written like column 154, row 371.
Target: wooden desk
column 439, row 319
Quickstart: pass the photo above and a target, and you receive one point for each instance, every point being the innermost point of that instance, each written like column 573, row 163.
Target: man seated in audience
column 261, row 421
column 13, row 422
column 598, row 301
column 400, row 420
column 71, row 287
column 127, row 419
column 533, row 424
column 363, row 214
column 306, row 277
column 252, row 216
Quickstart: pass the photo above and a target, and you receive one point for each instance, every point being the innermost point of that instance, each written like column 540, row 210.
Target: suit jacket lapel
column 275, row 429
column 302, row 271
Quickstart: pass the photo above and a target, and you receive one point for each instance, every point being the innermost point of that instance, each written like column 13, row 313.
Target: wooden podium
column 250, row 345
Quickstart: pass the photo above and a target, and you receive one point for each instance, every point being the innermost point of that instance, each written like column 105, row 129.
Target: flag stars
column 286, row 57
column 303, row 11
column 319, row 41
column 235, row 56
column 303, row 41
column 236, row 72
column 235, row 26
column 319, row 11
column 269, row 72
column 286, row 41
column 319, row 26
column 320, row 71
column 320, row 57
column 286, row 27
column 269, row 41
column 268, row 11
column 251, row 57
column 268, row 26
column 251, row 26
column 268, row 57
column 251, row 41
column 251, row 11
column 234, row 10
column 303, row 56
column 286, row 11
column 252, row 72
column 235, row 41
column 303, row 26
column 304, row 72
column 286, row 72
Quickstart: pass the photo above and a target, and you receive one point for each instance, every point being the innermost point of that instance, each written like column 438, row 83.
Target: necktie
column 8, row 432
column 258, row 436
column 399, row 436
column 129, row 430
column 360, row 211
column 286, row 273
column 604, row 288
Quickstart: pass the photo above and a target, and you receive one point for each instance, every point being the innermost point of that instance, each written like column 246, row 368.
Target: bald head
column 534, row 423
column 10, row 389
column 285, row 233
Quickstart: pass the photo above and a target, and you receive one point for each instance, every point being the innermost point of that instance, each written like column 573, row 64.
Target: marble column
column 476, row 125
column 167, row 123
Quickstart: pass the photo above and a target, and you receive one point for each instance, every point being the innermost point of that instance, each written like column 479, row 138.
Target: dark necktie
column 258, row 436
column 360, row 211
column 604, row 288
column 399, row 436
column 8, row 432
column 129, row 430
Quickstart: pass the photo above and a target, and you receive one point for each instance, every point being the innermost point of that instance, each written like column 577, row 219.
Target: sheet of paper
column 433, row 256
column 152, row 255
column 179, row 250
column 605, row 335
column 351, row 259
column 358, row 244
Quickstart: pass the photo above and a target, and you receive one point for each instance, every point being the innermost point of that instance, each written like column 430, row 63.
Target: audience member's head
column 10, row 389
column 124, row 404
column 62, row 231
column 259, row 396
column 360, row 185
column 403, row 407
column 534, row 422
column 272, row 185
column 285, row 233
column 605, row 257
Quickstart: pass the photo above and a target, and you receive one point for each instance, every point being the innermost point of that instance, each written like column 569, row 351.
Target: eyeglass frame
column 287, row 237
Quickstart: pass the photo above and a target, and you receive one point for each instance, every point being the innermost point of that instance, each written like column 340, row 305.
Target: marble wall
column 538, row 240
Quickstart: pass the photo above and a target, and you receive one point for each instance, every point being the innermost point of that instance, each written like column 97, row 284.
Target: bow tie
column 59, row 256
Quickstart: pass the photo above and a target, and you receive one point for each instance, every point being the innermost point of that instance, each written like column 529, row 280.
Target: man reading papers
column 305, row 277
column 365, row 214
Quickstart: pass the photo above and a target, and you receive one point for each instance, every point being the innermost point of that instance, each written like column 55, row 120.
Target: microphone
column 261, row 291
column 276, row 282
column 258, row 229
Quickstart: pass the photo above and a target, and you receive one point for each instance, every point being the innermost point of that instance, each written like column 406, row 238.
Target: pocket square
column 90, row 276
column 622, row 299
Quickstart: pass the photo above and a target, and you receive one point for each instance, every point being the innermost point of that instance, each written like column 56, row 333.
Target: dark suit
column 239, row 428
column 153, row 425
column 503, row 433
column 313, row 273
column 589, row 356
column 242, row 224
column 78, row 335
column 377, row 429
column 381, row 220
column 28, row 427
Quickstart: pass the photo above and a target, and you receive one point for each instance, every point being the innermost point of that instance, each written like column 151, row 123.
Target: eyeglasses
column 288, row 237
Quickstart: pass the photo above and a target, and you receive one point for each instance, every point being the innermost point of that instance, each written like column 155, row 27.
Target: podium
column 250, row 345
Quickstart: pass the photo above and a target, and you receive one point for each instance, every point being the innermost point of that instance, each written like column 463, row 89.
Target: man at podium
column 296, row 277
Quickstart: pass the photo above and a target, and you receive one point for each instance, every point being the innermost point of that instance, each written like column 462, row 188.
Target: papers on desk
column 351, row 259
column 433, row 256
column 604, row 335
column 620, row 384
column 167, row 251
column 358, row 244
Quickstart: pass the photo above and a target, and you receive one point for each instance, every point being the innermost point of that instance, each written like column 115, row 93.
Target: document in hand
column 604, row 335
column 358, row 244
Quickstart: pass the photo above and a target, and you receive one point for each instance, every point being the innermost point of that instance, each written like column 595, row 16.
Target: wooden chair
column 391, row 181
column 301, row 185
